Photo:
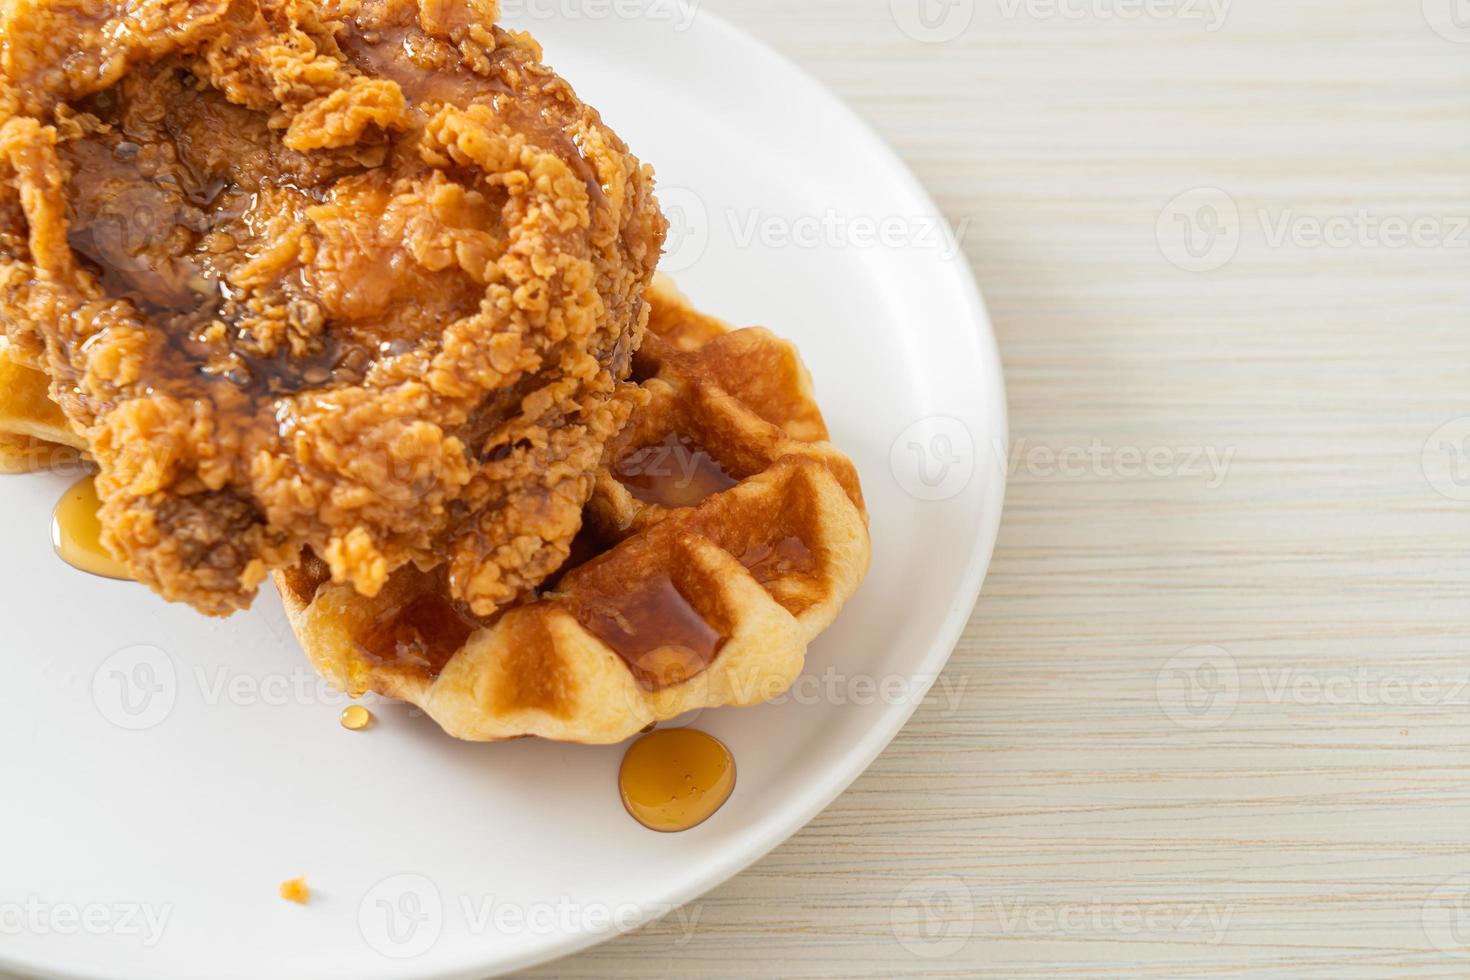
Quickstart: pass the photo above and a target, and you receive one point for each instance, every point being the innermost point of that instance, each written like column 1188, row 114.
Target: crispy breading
column 359, row 277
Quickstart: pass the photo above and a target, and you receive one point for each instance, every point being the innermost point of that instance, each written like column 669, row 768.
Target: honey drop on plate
column 675, row 779
column 355, row 717
column 76, row 532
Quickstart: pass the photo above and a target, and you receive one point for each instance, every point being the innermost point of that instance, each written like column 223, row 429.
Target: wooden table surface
column 1214, row 711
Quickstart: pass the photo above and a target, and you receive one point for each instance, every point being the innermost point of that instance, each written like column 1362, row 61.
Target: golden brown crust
column 354, row 276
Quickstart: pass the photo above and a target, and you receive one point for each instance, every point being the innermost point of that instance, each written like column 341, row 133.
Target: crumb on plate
column 296, row 891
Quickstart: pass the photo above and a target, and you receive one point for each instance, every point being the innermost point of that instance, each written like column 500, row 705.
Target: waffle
column 723, row 535
column 34, row 435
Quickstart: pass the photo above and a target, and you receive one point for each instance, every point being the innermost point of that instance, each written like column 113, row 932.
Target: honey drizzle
column 424, row 633
column 654, row 628
column 304, row 578
column 673, row 472
column 785, row 569
column 410, row 625
column 675, row 779
column 76, row 532
column 768, row 562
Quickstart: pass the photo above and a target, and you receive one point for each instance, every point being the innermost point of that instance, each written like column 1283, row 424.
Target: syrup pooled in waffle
column 723, row 535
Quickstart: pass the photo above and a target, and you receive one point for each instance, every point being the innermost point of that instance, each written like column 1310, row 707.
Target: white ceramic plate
column 163, row 773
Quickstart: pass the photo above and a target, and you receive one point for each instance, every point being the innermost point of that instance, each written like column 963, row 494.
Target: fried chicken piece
column 358, row 276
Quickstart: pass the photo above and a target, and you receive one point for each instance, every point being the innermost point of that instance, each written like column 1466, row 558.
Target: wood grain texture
column 1212, row 723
